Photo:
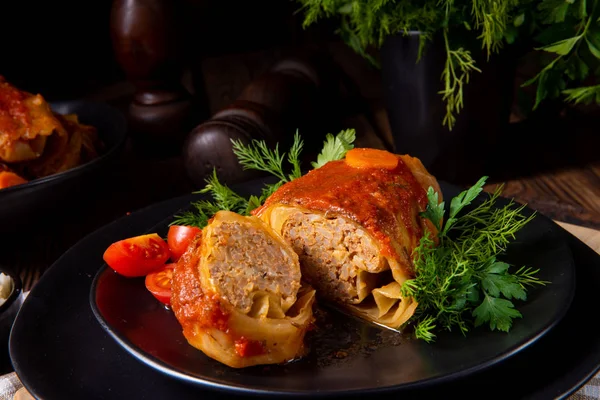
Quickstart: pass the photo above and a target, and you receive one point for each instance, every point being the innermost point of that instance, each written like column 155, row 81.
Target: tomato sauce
column 378, row 199
column 193, row 307
column 249, row 348
column 212, row 314
column 196, row 309
column 13, row 112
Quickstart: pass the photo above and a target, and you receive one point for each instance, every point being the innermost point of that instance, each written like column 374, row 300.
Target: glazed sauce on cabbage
column 378, row 199
column 13, row 112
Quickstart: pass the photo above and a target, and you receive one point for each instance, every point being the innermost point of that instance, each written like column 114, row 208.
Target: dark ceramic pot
column 416, row 110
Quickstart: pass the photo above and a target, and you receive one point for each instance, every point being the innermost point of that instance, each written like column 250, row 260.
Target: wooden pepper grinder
column 147, row 45
column 291, row 96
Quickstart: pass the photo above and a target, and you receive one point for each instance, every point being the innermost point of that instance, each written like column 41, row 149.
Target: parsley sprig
column 335, row 147
column 569, row 33
column 258, row 156
column 462, row 281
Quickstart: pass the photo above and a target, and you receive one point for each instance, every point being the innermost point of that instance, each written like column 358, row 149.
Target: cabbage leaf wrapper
column 355, row 230
column 238, row 295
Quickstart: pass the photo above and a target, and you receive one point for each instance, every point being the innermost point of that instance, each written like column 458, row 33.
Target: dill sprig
column 461, row 281
column 457, row 70
column 493, row 18
column 258, row 156
column 223, row 198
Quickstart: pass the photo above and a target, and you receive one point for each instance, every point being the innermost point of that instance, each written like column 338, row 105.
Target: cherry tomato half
column 159, row 283
column 179, row 238
column 137, row 256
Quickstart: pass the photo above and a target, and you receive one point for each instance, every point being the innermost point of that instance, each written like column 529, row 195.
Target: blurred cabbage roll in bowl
column 238, row 295
column 354, row 229
column 36, row 141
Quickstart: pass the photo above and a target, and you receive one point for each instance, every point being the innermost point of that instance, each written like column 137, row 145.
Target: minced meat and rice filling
column 336, row 255
column 266, row 266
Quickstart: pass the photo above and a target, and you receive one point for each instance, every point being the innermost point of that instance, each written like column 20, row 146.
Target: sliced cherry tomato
column 137, row 256
column 8, row 179
column 248, row 348
column 159, row 283
column 179, row 238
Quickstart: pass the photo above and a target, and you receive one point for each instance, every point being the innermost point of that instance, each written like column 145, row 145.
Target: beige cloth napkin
column 11, row 387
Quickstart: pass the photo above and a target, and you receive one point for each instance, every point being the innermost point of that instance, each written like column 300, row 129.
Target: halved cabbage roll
column 26, row 122
column 238, row 296
column 354, row 230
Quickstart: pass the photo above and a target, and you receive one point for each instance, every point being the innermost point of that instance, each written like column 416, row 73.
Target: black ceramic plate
column 60, row 351
column 23, row 203
column 346, row 355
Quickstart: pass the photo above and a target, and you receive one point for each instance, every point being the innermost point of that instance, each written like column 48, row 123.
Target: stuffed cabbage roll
column 238, row 295
column 354, row 230
column 26, row 122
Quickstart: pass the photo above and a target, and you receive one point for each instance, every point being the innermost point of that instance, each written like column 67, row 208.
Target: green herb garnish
column 335, row 147
column 258, row 156
column 223, row 199
column 365, row 23
column 462, row 278
column 569, row 32
column 565, row 34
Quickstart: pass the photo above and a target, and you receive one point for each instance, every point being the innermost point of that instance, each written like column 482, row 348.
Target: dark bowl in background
column 8, row 313
column 35, row 201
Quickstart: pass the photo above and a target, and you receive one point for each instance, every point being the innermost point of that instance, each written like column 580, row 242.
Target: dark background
column 63, row 48
column 59, row 48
